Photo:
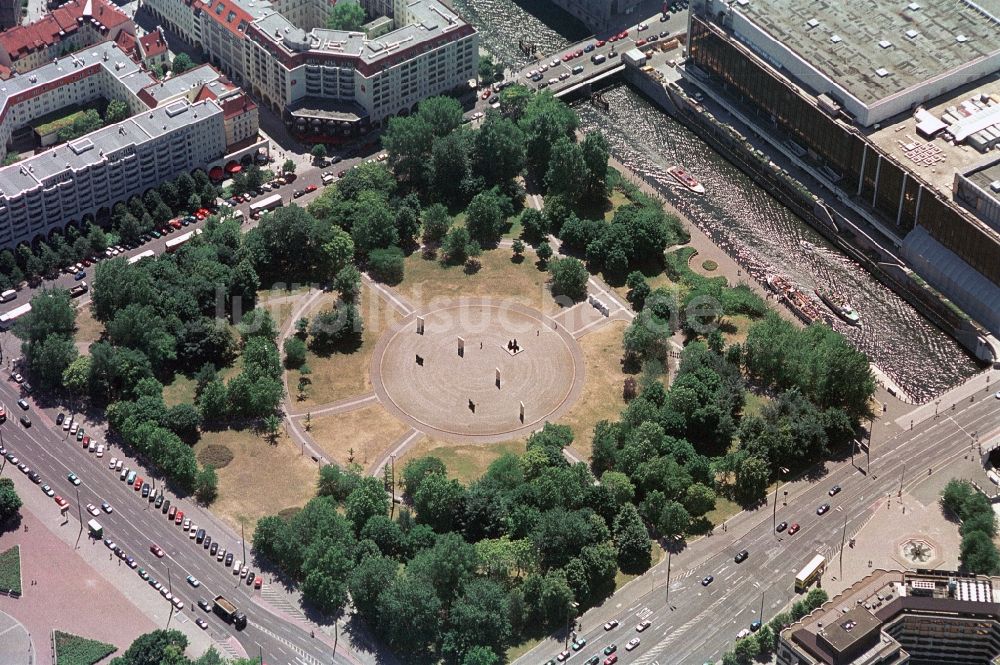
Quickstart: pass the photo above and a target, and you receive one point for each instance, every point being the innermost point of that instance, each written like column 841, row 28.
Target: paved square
column 424, row 380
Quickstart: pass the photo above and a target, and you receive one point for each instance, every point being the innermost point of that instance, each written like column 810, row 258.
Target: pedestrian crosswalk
column 281, row 601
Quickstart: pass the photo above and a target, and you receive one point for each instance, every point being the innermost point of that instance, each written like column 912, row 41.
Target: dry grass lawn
column 654, row 281
column 465, row 462
column 88, row 329
column 602, row 389
column 754, row 403
column 735, row 328
column 426, row 281
column 362, row 434
column 181, row 389
column 342, row 375
column 262, row 479
column 280, row 303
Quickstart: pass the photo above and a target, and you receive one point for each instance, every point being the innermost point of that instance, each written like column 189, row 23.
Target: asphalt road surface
column 699, row 623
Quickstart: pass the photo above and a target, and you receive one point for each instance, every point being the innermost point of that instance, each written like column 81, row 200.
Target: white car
column 111, row 464
column 641, row 27
column 92, row 446
column 193, row 531
column 67, row 424
column 632, row 643
column 100, row 450
column 73, row 428
column 92, row 509
column 236, row 567
column 118, row 465
column 243, row 571
column 743, row 633
column 178, row 603
column 643, row 625
column 193, row 581
column 554, row 63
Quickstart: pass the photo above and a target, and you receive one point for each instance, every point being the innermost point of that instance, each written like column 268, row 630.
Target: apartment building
column 328, row 84
column 71, row 27
column 86, row 177
column 10, row 13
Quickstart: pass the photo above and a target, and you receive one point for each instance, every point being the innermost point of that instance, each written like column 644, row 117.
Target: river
column 738, row 215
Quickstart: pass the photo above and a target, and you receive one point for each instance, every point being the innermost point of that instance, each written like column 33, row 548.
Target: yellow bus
column 811, row 573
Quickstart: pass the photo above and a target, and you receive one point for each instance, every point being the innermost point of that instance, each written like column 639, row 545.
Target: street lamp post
column 667, row 599
column 79, row 511
column 901, row 474
column 774, row 513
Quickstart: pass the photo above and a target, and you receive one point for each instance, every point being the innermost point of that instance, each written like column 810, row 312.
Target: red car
column 176, row 223
column 138, row 483
column 567, row 57
column 311, row 188
column 486, row 93
column 600, row 43
column 86, row 442
column 613, row 38
column 179, row 517
column 792, row 529
column 157, row 550
column 258, row 582
column 641, row 42
column 200, row 215
column 623, row 34
column 204, row 211
column 578, row 53
column 61, row 502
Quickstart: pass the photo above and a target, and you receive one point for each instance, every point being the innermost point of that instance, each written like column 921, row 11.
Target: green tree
column 544, row 122
column 182, row 62
column 409, row 616
column 367, row 581
column 631, row 540
column 478, row 618
column 439, row 502
column 699, row 499
column 416, row 470
column 978, row 554
column 442, row 114
column 386, row 265
column 288, row 166
column 436, row 223
column 76, row 376
column 374, row 224
column 150, row 648
column 487, row 69
column 544, row 252
column 569, row 278
column 346, row 15
column 116, row 112
column 456, row 245
column 10, row 502
column 480, row 656
column 567, row 174
column 318, row 152
column 366, row 500
column 484, row 217
column 295, row 352
column 673, row 520
column 336, row 482
column 408, row 142
column 595, row 156
column 751, row 480
column 499, row 149
column 325, row 569
column 206, row 485
column 213, row 402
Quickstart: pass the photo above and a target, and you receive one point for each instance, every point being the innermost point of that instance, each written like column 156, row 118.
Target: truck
column 230, row 613
column 148, row 254
column 96, row 530
column 78, row 290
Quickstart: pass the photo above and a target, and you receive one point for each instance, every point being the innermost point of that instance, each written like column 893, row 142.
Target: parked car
column 632, row 643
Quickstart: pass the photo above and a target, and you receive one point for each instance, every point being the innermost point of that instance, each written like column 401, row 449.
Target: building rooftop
column 107, row 56
column 429, row 19
column 877, row 48
column 936, row 160
column 53, row 166
column 190, row 82
column 58, row 24
column 153, row 43
column 988, row 178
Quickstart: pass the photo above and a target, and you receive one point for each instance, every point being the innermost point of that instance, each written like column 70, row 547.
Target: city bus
column 269, row 203
column 7, row 318
column 142, row 255
column 811, row 573
column 174, row 243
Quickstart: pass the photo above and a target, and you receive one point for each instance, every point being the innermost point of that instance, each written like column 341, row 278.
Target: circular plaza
column 477, row 369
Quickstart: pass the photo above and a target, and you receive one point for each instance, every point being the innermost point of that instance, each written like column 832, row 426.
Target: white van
column 8, row 295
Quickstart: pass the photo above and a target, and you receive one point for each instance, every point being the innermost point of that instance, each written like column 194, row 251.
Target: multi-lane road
column 135, row 524
column 698, row 624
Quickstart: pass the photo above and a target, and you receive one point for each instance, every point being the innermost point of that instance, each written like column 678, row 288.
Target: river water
column 739, row 216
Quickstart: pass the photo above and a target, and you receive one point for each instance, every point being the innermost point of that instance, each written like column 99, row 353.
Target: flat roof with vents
column 849, row 41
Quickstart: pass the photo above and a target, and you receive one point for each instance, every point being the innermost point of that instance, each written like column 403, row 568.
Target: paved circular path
column 547, row 374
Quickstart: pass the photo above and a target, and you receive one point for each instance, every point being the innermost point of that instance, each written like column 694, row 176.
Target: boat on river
column 686, row 179
column 840, row 306
column 801, row 304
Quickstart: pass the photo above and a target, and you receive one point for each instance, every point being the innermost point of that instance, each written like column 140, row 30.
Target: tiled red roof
column 222, row 16
column 153, row 44
column 58, row 24
column 126, row 43
column 236, row 105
